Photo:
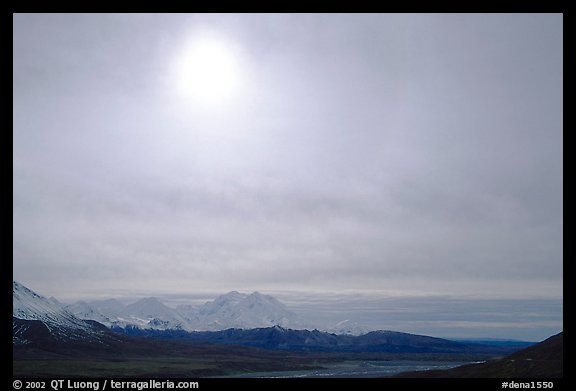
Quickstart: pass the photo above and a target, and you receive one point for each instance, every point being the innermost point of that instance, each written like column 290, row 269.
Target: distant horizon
column 308, row 304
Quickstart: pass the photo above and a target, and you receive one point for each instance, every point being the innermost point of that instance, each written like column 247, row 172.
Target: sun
column 207, row 71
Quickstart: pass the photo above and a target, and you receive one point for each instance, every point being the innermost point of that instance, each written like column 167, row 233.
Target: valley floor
column 237, row 366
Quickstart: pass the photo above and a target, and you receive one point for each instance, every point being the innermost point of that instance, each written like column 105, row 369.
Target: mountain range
column 86, row 320
column 45, row 329
column 279, row 338
column 253, row 320
column 232, row 310
column 46, row 323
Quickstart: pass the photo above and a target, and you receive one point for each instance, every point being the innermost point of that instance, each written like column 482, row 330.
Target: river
column 348, row 369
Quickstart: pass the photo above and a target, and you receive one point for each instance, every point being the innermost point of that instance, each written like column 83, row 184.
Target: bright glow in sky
column 207, row 71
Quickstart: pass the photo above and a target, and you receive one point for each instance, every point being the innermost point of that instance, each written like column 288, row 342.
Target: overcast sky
column 379, row 155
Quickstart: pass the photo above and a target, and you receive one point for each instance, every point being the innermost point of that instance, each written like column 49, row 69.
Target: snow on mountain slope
column 151, row 313
column 222, row 304
column 60, row 323
column 103, row 311
column 145, row 313
column 187, row 311
column 28, row 305
column 347, row 327
column 237, row 310
column 83, row 310
column 110, row 307
column 232, row 310
column 149, row 307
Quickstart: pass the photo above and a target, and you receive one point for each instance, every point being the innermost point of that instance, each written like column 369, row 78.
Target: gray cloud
column 405, row 153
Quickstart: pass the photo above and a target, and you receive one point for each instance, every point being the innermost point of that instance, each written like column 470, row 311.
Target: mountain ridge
column 231, row 310
column 283, row 339
column 37, row 318
column 542, row 360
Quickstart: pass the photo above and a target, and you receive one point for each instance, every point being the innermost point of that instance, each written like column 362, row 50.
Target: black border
column 502, row 6
column 435, row 6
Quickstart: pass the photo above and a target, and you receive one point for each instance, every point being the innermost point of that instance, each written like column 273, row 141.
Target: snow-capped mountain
column 103, row 311
column 151, row 313
column 145, row 313
column 91, row 311
column 109, row 308
column 232, row 310
column 34, row 313
column 347, row 327
column 28, row 305
column 188, row 312
column 222, row 304
column 243, row 311
column 149, row 307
